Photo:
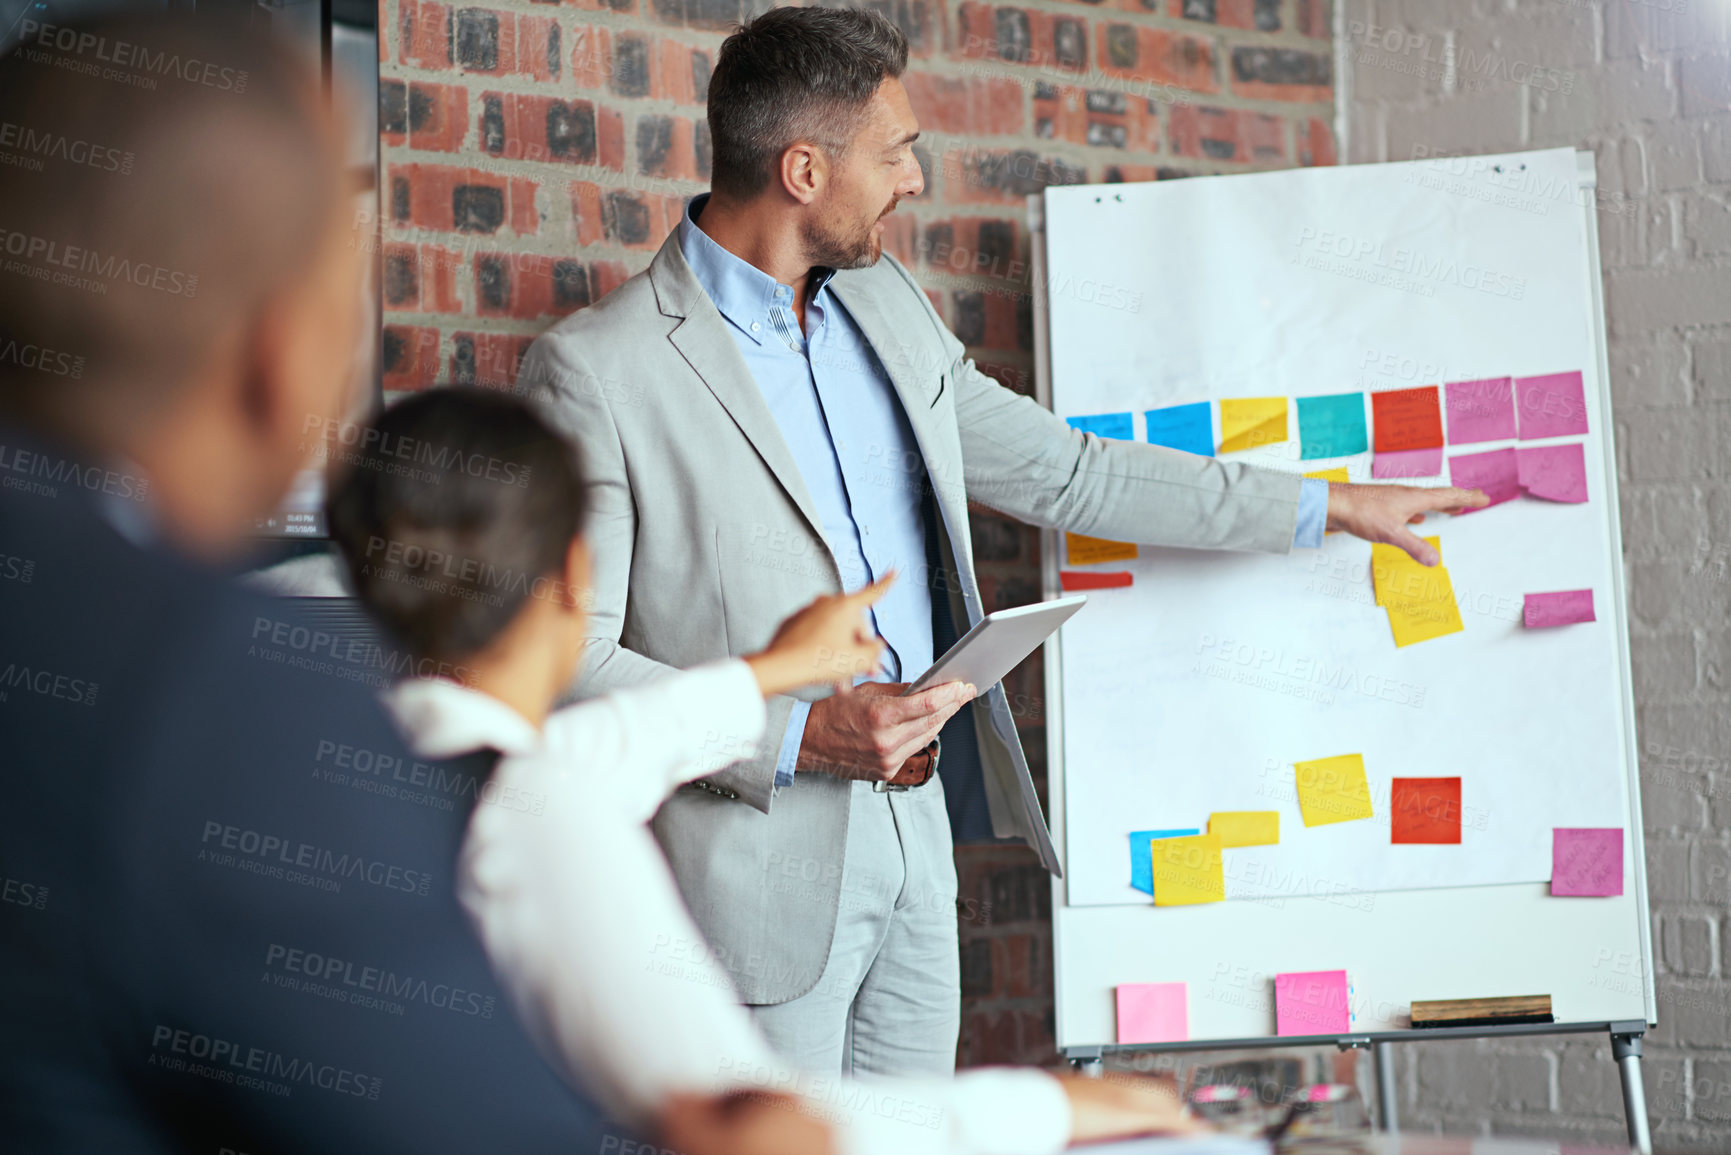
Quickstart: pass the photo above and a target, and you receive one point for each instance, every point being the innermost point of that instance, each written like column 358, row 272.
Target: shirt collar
column 441, row 719
column 742, row 292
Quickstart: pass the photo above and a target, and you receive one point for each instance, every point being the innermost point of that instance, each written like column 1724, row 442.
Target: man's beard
column 834, row 249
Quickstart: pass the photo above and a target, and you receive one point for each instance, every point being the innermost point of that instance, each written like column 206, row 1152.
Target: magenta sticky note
column 1406, row 463
column 1153, row 1013
column 1312, row 1003
column 1497, row 472
column 1554, row 472
column 1551, row 406
column 1561, row 608
column 1480, row 410
column 1586, row 862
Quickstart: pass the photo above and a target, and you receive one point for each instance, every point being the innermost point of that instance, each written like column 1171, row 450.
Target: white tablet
column 991, row 649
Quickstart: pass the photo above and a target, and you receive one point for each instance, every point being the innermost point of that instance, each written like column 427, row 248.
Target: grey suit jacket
column 704, row 538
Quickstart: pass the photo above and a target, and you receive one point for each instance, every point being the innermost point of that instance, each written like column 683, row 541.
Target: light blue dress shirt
column 837, row 410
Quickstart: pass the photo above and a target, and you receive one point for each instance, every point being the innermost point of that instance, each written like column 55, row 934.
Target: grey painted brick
column 1704, row 83
column 1673, row 149
column 1710, row 872
column 1649, row 372
column 1587, row 1082
column 1458, row 1074
column 1640, row 300
column 1631, row 29
column 1716, row 148
column 1479, row 122
column 1661, row 520
column 1706, row 223
column 1670, row 444
column 1710, row 367
column 1667, row 869
column 1675, row 594
column 1525, row 1082
column 1666, row 1081
column 1673, row 802
column 1686, row 944
column 1663, row 665
column 1710, row 1091
column 1714, row 648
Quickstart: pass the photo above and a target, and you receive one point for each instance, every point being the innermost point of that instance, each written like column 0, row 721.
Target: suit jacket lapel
column 703, row 340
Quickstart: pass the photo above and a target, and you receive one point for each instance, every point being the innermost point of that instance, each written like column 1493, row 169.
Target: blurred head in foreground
column 179, row 285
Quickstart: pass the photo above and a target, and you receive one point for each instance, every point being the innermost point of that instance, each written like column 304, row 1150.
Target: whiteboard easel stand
column 1625, row 1035
column 1625, row 1039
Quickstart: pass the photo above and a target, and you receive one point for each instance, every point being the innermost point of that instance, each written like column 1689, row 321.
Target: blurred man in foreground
column 216, row 939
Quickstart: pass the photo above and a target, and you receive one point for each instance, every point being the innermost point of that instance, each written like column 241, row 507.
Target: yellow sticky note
column 1245, row 827
column 1392, row 568
column 1332, row 789
column 1246, row 422
column 1188, row 870
column 1431, row 613
column 1084, row 550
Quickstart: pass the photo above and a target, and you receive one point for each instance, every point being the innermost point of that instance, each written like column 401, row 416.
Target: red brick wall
column 536, row 154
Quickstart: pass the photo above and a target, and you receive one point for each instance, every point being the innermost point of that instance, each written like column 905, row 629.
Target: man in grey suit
column 773, row 410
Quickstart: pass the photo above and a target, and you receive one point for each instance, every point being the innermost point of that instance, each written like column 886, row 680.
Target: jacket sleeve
column 578, row 402
column 1023, row 460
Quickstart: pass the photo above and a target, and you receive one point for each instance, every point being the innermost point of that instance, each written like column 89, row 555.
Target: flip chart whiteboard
column 1197, row 687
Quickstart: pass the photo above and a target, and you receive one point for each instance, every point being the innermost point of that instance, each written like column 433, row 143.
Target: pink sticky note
column 1406, row 463
column 1480, row 410
column 1312, row 1003
column 1554, row 472
column 1562, row 608
column 1153, row 1013
column 1586, row 862
column 1551, row 406
column 1496, row 472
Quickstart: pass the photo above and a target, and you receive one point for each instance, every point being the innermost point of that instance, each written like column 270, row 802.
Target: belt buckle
column 889, row 787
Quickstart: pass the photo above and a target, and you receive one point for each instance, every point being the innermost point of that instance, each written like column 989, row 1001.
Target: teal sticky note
column 1186, row 427
column 1332, row 426
column 1105, row 425
column 1142, row 856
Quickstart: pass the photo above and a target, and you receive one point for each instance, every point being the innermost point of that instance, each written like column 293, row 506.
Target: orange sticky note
column 1407, row 419
column 1084, row 550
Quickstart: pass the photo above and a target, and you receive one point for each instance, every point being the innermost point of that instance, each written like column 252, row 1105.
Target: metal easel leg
column 1626, row 1052
column 1387, row 1099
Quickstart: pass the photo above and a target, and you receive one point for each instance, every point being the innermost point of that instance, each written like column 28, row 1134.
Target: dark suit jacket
column 228, row 917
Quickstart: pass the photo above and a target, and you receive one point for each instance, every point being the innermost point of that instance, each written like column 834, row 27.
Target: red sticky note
column 1407, row 463
column 1153, row 1013
column 1554, row 405
column 1561, row 608
column 1426, row 810
column 1586, row 862
column 1496, row 472
column 1554, row 472
column 1077, row 580
column 1312, row 1003
column 1480, row 410
column 1407, row 419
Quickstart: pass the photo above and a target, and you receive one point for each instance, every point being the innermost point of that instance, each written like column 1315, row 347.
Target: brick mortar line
column 954, row 69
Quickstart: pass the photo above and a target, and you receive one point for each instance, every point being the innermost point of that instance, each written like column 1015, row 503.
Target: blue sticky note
column 1105, row 425
column 1186, row 427
column 1332, row 426
column 1142, row 856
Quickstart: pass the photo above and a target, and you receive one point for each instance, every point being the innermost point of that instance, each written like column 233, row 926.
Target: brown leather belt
column 915, row 772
